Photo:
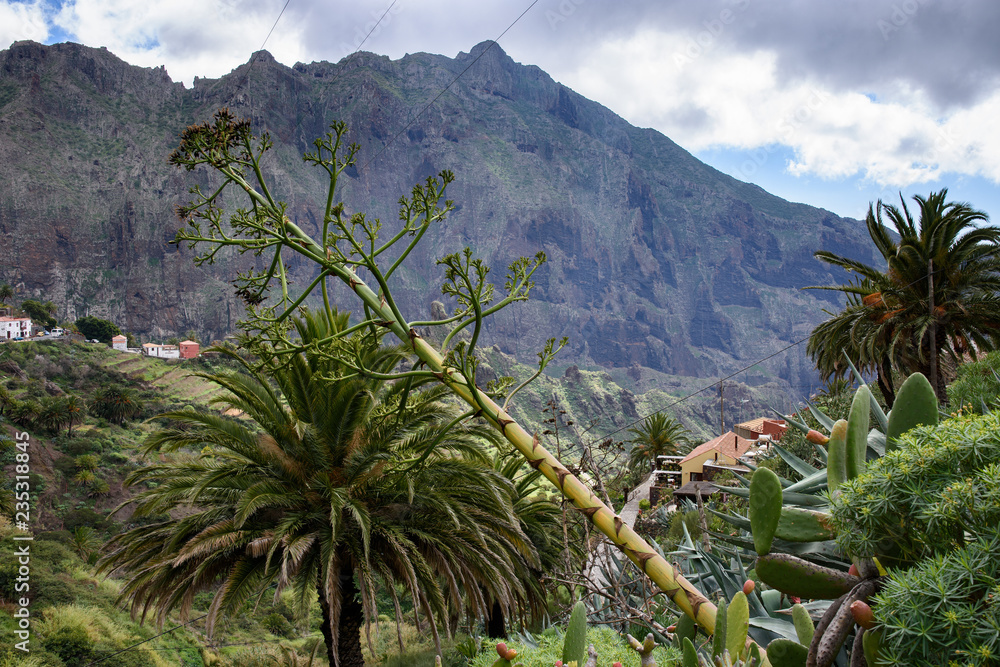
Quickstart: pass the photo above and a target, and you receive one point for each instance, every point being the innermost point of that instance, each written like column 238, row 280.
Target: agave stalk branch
column 228, row 147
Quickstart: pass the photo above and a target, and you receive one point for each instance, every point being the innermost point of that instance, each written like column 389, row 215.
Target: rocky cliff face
column 656, row 260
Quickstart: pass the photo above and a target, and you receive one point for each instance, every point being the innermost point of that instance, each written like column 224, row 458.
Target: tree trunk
column 884, row 376
column 496, row 625
column 349, row 628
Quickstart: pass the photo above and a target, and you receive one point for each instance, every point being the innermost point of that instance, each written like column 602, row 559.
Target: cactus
column 916, row 404
column 575, row 644
column 802, row 525
column 721, row 619
column 804, row 627
column 737, row 624
column 765, row 508
column 690, row 656
column 836, row 462
column 786, row 653
column 506, row 655
column 794, row 576
column 685, row 627
column 644, row 649
column 857, row 432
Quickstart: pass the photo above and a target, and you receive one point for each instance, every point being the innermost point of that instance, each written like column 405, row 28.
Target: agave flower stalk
column 350, row 245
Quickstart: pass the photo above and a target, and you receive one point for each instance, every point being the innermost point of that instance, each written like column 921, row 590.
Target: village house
column 15, row 327
column 120, row 342
column 189, row 349
column 771, row 429
column 161, row 351
column 716, row 454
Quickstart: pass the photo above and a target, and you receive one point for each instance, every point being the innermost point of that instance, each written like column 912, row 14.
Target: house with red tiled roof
column 724, row 450
column 753, row 429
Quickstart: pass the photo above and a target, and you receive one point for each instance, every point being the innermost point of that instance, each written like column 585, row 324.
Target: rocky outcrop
column 655, row 259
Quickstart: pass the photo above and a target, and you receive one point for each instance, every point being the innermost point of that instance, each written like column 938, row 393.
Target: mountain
column 657, row 262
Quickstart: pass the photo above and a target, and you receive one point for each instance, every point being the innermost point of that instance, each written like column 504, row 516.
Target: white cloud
column 191, row 37
column 22, row 20
column 701, row 93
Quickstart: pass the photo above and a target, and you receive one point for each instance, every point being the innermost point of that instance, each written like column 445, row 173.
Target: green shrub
column 644, row 505
column 609, row 644
column 977, row 385
column 927, row 497
column 72, row 644
column 278, row 625
column 83, row 517
column 930, row 510
column 946, row 610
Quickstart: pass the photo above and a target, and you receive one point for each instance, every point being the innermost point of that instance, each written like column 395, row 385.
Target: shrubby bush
column 977, row 385
column 931, row 510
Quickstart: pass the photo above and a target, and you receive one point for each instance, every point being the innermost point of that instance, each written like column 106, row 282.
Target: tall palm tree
column 6, row 292
column 658, row 435
column 331, row 485
column 75, row 410
column 939, row 293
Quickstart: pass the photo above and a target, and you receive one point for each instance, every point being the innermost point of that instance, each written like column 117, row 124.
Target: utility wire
column 347, row 61
column 253, row 61
column 129, row 648
column 446, row 88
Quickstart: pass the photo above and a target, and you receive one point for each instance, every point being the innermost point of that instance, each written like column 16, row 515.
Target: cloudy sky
column 834, row 103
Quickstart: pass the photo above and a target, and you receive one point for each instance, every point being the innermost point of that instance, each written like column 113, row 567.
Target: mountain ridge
column 656, row 260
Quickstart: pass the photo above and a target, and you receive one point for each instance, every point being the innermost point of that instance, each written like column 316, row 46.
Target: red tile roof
column 729, row 444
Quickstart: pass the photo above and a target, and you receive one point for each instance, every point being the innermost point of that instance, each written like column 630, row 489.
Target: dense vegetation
column 323, row 481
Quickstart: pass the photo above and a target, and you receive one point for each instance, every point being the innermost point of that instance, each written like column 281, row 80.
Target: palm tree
column 938, row 294
column 115, row 403
column 53, row 414
column 337, row 486
column 541, row 520
column 6, row 292
column 658, row 435
column 75, row 410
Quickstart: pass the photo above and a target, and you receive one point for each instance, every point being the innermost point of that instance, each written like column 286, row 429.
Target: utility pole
column 930, row 299
column 722, row 412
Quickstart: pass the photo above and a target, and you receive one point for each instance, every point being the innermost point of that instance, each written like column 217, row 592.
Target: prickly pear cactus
column 575, row 644
column 506, row 656
column 644, row 649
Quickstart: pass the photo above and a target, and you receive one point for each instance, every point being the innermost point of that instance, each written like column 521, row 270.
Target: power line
column 253, row 61
column 446, row 88
column 129, row 648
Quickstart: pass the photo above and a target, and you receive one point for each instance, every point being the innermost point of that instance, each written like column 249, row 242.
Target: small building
column 15, row 327
column 161, row 351
column 189, row 349
column 119, row 342
column 754, row 429
column 725, row 450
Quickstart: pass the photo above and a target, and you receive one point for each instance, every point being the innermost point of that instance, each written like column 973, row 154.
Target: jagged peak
column 487, row 50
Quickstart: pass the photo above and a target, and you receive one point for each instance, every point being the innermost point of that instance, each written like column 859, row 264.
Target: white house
column 161, row 351
column 119, row 342
column 15, row 327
